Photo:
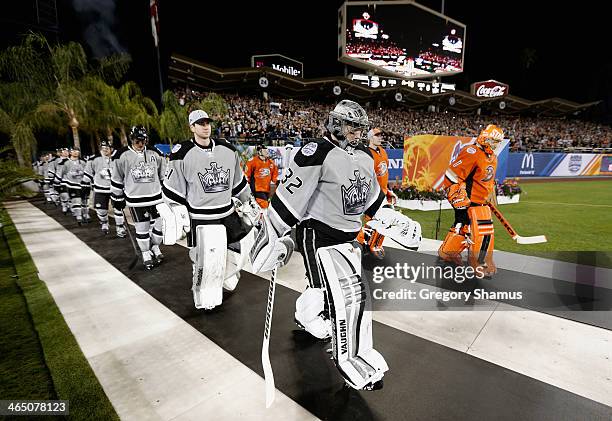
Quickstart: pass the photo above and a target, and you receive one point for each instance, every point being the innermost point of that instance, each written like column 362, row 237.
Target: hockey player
column 42, row 169
column 58, row 185
column 470, row 184
column 71, row 174
column 136, row 181
column 329, row 185
column 98, row 171
column 261, row 171
column 203, row 176
column 370, row 238
column 51, row 168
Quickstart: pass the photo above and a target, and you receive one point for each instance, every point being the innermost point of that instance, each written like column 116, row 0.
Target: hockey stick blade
column 265, row 348
column 537, row 239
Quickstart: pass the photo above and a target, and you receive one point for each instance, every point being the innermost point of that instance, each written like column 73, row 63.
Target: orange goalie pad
column 483, row 238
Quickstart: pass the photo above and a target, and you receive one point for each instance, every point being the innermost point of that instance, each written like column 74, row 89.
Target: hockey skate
column 148, row 260
column 121, row 232
column 158, row 256
column 319, row 327
column 105, row 229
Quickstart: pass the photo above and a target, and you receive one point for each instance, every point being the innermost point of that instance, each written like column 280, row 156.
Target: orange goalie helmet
column 490, row 137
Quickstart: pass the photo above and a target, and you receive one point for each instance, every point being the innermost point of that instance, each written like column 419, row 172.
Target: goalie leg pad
column 483, row 238
column 351, row 316
column 209, row 265
column 453, row 245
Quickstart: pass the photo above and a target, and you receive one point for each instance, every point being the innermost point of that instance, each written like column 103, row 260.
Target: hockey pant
column 101, row 205
column 148, row 227
column 350, row 312
column 262, row 199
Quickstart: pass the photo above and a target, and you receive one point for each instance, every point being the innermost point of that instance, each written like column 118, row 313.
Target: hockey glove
column 458, row 197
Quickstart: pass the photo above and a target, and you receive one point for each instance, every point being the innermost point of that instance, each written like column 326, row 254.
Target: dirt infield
column 555, row 179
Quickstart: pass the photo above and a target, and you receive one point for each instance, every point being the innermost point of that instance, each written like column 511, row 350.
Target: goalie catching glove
column 458, row 197
column 269, row 250
column 398, row 227
column 175, row 222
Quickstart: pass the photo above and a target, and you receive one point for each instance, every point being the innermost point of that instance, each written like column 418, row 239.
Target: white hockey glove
column 250, row 212
column 175, row 222
column 269, row 250
column 398, row 227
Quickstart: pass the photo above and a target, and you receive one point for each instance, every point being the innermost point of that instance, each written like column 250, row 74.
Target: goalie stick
column 519, row 239
column 265, row 348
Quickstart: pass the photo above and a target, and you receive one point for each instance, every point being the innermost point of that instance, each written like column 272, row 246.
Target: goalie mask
column 346, row 119
column 489, row 138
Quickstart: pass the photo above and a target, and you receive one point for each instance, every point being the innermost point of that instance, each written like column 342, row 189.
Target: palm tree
column 173, row 119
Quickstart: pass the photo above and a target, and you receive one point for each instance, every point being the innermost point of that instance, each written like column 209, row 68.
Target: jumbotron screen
column 400, row 38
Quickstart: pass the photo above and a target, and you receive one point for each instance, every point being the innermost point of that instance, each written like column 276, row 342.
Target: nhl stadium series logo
column 575, row 162
column 355, row 196
column 143, row 173
column 215, row 179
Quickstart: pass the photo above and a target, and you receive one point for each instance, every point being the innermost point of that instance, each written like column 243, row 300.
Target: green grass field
column 575, row 216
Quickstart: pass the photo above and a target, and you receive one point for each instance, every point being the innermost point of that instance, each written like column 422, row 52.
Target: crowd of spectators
column 253, row 118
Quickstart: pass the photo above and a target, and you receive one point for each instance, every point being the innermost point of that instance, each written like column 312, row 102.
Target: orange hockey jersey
column 261, row 173
column 476, row 169
column 381, row 166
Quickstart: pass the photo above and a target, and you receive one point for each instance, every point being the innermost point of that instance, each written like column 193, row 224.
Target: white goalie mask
column 346, row 117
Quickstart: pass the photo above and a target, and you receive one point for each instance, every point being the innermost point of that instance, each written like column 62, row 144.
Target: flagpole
column 154, row 13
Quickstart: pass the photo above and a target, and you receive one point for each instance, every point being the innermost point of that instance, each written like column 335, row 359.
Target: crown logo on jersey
column 143, row 173
column 355, row 196
column 215, row 179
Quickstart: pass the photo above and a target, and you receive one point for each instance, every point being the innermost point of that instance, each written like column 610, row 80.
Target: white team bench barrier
column 431, row 205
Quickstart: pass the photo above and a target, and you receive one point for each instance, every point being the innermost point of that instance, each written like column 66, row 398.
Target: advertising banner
column 426, row 158
column 542, row 164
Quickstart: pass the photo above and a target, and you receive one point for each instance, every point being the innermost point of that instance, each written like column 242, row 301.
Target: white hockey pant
column 350, row 312
column 209, row 263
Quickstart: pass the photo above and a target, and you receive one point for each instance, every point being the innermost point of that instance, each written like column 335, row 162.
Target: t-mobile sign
column 280, row 63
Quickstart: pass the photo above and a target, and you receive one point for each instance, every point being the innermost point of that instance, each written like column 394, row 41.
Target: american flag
column 154, row 21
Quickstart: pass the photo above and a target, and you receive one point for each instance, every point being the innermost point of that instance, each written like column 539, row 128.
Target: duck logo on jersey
column 264, row 172
column 381, row 169
column 215, row 179
column 489, row 173
column 355, row 196
column 143, row 173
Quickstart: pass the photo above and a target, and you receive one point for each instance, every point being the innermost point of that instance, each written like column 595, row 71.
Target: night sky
column 568, row 45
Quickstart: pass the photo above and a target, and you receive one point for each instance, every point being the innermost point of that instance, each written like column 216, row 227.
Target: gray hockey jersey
column 329, row 187
column 136, row 176
column 51, row 169
column 59, row 171
column 205, row 179
column 71, row 173
column 99, row 172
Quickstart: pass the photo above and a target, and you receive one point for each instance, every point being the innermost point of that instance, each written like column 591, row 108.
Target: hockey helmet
column 347, row 116
column 138, row 133
column 489, row 138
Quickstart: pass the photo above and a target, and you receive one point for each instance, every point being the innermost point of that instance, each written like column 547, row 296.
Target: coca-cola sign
column 490, row 89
